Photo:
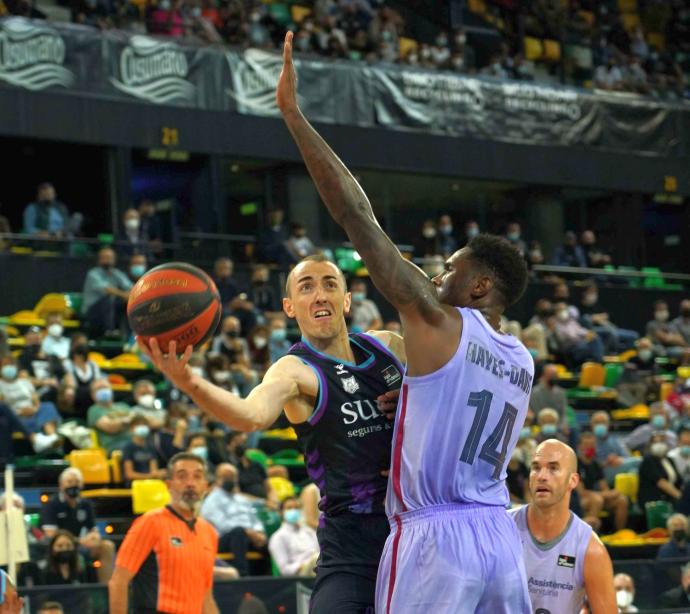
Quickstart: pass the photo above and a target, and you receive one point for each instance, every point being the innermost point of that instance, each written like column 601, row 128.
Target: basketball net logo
column 32, row 56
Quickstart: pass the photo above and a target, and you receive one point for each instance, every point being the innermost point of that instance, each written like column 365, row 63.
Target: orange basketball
column 174, row 302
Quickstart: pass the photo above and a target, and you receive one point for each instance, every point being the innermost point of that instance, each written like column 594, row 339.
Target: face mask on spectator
column 429, row 233
column 589, row 299
column 624, row 598
column 229, row 485
column 535, row 254
column 197, row 371
column 146, row 400
column 103, row 395
column 512, row 236
column 661, row 315
column 549, row 429
column 200, row 451
column 413, row 58
column 55, row 330
column 278, row 334
column 679, row 535
column 64, row 556
column 137, row 270
column 72, row 491
column 472, row 232
column 600, row 430
column 221, row 376
column 645, row 354
column 658, row 422
column 260, row 342
column 231, row 334
column 292, row 516
column 441, row 41
column 164, row 5
column 685, row 313
column 141, row 430
column 9, row 372
column 460, row 39
column 196, row 12
column 132, row 224
column 240, row 449
column 563, row 315
column 446, row 229
column 358, row 297
column 685, row 451
column 525, row 432
column 658, row 449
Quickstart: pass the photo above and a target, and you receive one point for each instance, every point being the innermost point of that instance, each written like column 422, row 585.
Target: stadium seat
column 627, row 484
column 665, row 389
column 552, row 50
column 591, row 375
column 299, row 12
column 93, row 465
column 657, row 513
column 149, row 495
column 630, row 21
column 53, row 303
column 258, row 456
column 477, row 6
column 406, row 46
column 612, row 374
column 289, row 457
column 533, row 48
column 627, row 6
column 656, row 39
column 116, row 466
column 281, row 13
column 282, row 487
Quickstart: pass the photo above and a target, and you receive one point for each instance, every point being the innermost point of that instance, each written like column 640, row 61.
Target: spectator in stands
column 447, row 240
column 170, row 439
column 681, row 324
column 428, row 243
column 235, row 302
column 50, row 607
column 278, row 343
column 44, row 371
column 517, row 479
column 363, row 311
column 625, row 593
column 573, row 340
column 19, row 393
column 612, row 454
column 81, row 373
column 470, row 231
column 262, row 294
column 5, row 228
column 678, row 597
column 659, row 478
column 110, row 420
column 677, row 547
column 146, row 405
column 197, row 444
column 549, row 426
column 46, row 216
column 526, row 442
column 230, row 345
column 272, row 239
column 594, row 491
column 680, row 455
column 298, row 244
column 569, row 253
column 233, row 516
column 514, row 235
column 595, row 257
column 547, row 393
column 641, row 375
column 535, row 254
column 658, row 422
column 132, row 239
column 537, row 335
column 666, row 338
column 55, row 343
column 138, row 265
column 63, row 563
column 294, row 547
column 495, row 68
column 609, row 76
column 259, row 355
column 68, row 511
column 150, row 224
column 138, row 457
column 596, row 318
column 9, row 424
column 105, row 294
column 253, row 480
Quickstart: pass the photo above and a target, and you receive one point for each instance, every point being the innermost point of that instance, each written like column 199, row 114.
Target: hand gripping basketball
column 175, row 369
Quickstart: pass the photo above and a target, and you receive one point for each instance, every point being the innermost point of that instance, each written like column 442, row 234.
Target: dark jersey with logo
column 347, row 441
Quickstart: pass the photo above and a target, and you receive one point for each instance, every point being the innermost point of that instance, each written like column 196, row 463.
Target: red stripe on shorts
column 397, row 451
column 394, row 563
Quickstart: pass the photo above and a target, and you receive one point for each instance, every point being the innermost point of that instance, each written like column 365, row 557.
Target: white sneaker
column 43, row 442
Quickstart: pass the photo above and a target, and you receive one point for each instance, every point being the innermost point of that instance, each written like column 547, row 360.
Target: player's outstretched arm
column 598, row 573
column 258, row 411
column 405, row 286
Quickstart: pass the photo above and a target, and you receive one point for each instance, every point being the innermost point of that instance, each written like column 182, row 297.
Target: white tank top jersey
column 456, row 428
column 555, row 571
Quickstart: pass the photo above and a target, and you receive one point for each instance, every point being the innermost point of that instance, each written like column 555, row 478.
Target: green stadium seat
column 281, row 13
column 612, row 374
column 258, row 456
column 633, row 282
column 657, row 513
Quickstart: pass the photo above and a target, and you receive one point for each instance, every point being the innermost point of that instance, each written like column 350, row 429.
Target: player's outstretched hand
column 173, row 367
column 388, row 403
column 286, row 93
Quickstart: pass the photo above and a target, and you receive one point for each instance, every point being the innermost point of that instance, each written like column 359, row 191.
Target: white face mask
column 563, row 315
column 624, row 598
column 260, row 342
column 197, row 371
column 222, row 376
column 658, row 449
column 147, row 400
column 132, row 224
column 55, row 330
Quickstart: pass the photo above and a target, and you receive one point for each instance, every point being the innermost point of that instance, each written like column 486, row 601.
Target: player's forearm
column 117, row 597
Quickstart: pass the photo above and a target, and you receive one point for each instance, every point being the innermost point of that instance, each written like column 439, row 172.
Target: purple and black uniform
column 453, row 547
column 347, row 444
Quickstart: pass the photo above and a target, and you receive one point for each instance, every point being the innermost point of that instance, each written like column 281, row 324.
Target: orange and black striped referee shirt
column 172, row 559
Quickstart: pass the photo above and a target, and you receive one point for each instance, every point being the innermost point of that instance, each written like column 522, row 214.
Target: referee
column 168, row 554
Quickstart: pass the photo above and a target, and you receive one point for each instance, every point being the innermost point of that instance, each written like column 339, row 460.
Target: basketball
column 174, row 302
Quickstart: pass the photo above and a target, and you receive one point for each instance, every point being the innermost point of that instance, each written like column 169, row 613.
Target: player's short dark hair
column 50, row 605
column 313, row 258
column 180, row 456
column 504, row 261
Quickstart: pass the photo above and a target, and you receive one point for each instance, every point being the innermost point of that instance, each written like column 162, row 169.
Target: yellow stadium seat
column 552, row 50
column 665, row 389
column 149, row 495
column 656, row 39
column 53, row 303
column 406, row 46
column 592, row 375
column 533, row 48
column 299, row 12
column 627, row 484
column 588, row 16
column 93, row 465
column 627, row 6
column 630, row 21
column 683, row 372
column 282, row 487
column 116, row 466
column 477, row 6
column 98, row 358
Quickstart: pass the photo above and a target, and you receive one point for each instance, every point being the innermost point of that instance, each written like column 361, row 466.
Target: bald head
column 553, row 475
column 225, row 472
column 305, row 266
column 554, row 450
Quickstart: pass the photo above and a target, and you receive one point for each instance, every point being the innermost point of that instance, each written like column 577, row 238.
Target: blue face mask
column 513, row 236
column 9, row 372
column 549, row 429
column 141, row 430
column 292, row 516
column 472, row 232
column 658, row 422
column 278, row 334
column 358, row 297
column 525, row 432
column 200, row 451
column 600, row 430
column 103, row 395
column 137, row 270
column 685, row 450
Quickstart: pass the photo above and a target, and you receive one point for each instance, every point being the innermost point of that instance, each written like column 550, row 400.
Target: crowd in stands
column 631, row 46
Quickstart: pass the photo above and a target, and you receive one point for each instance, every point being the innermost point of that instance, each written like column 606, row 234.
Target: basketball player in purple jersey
column 564, row 559
column 328, row 386
column 453, row 547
